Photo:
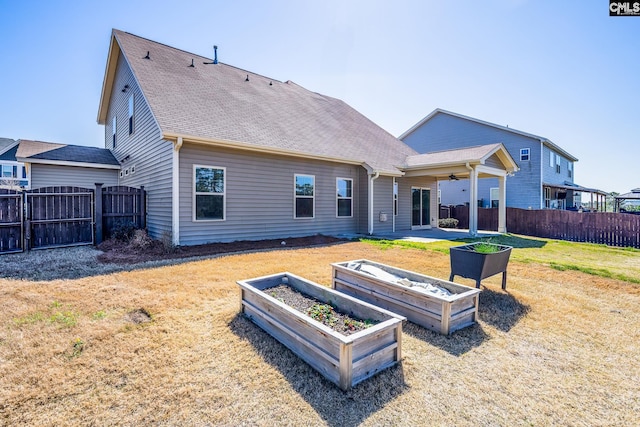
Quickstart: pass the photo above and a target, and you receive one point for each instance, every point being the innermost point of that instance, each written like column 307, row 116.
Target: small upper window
column 113, row 131
column 524, row 154
column 131, row 114
column 552, row 159
column 569, row 170
column 557, row 164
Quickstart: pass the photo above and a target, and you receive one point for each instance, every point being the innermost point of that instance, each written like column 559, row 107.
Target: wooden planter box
column 466, row 262
column 343, row 360
column 444, row 314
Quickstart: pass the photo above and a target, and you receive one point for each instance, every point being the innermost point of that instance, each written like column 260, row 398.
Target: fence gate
column 59, row 216
column 11, row 224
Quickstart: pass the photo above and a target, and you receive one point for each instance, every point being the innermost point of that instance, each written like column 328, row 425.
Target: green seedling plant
column 323, row 313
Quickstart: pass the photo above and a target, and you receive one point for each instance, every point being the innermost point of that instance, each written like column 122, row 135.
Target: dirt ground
column 117, row 252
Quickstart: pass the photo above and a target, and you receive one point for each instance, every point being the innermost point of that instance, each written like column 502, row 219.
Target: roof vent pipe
column 215, row 54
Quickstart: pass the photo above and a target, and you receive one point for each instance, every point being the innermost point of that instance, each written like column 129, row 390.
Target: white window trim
column 558, row 167
column 552, row 159
column 131, row 123
column 570, row 170
column 343, row 198
column 223, row 194
column 491, row 199
column 528, row 154
column 114, row 133
column 295, row 196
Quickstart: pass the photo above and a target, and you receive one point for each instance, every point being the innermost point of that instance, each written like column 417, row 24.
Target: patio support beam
column 473, row 201
column 502, row 204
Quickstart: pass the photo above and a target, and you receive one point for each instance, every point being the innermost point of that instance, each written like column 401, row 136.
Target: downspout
column 542, row 200
column 175, row 193
column 372, row 177
column 393, row 205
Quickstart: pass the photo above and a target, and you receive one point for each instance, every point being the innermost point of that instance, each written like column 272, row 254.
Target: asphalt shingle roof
column 461, row 155
column 216, row 102
column 39, row 150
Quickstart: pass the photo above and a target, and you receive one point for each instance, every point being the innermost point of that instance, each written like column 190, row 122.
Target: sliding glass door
column 420, row 201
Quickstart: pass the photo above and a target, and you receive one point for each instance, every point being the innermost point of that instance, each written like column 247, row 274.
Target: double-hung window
column 557, row 164
column 524, row 154
column 569, row 170
column 344, row 194
column 304, row 195
column 209, row 197
column 7, row 171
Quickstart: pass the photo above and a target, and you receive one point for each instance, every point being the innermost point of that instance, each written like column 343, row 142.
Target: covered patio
column 565, row 197
column 473, row 163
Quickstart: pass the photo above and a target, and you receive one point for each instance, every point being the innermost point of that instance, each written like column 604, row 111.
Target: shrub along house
column 226, row 154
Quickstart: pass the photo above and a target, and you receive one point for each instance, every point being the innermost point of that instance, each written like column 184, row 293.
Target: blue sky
column 563, row 70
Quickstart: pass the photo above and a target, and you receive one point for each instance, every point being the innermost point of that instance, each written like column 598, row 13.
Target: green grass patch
column 64, row 318
column 28, row 319
column 99, row 315
column 594, row 259
column 601, row 272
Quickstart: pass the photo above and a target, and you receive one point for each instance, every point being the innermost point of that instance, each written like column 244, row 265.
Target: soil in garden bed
column 317, row 310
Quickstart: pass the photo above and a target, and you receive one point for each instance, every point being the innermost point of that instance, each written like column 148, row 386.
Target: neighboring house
column 49, row 164
column 226, row 154
column 545, row 178
column 13, row 174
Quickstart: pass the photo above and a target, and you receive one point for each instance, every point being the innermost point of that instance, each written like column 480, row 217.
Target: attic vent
column 215, row 56
column 147, row 57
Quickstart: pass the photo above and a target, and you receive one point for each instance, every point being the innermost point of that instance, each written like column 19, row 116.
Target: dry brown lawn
column 558, row 348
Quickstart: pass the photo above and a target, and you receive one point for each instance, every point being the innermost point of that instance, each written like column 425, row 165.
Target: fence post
column 98, row 213
column 143, row 208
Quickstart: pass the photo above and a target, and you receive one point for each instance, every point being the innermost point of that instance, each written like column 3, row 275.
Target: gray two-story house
column 227, row 154
column 545, row 178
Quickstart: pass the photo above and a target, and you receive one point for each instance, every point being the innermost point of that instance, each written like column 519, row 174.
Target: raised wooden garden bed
column 343, row 360
column 437, row 312
column 467, row 261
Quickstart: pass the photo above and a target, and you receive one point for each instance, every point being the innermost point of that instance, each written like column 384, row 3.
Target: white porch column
column 175, row 193
column 473, row 202
column 502, row 204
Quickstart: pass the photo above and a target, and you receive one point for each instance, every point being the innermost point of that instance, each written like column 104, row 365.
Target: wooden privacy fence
column 58, row 216
column 67, row 216
column 119, row 206
column 11, row 223
column 608, row 228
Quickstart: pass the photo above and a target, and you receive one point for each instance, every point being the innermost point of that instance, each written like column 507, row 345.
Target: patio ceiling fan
column 452, row 177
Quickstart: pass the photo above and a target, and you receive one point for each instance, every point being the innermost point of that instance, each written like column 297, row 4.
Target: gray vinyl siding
column 145, row 149
column 403, row 219
column 383, row 203
column 550, row 176
column 259, row 191
column 446, row 132
column 57, row 175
